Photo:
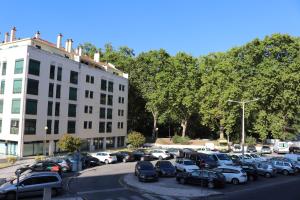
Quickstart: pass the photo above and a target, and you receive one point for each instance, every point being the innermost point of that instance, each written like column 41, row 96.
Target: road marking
column 135, row 198
column 99, row 191
column 148, row 196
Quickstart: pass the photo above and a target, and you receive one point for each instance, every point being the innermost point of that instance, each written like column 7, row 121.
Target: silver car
column 283, row 167
column 31, row 184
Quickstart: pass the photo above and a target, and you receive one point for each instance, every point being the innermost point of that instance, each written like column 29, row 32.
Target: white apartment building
column 47, row 90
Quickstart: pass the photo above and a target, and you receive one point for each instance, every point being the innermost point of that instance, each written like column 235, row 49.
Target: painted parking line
column 99, row 191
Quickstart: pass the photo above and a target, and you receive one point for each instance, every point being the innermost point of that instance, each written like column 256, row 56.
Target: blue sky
column 194, row 26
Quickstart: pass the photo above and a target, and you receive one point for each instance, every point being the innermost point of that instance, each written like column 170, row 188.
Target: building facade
column 47, row 90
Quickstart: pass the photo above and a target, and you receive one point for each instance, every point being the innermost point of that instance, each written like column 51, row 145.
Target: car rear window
column 146, row 167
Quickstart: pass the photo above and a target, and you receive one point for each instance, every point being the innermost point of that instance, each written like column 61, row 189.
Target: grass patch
column 3, row 165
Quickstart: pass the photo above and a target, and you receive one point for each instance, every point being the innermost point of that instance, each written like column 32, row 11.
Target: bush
column 11, row 159
column 180, row 140
column 39, row 158
column 136, row 139
column 69, row 143
column 250, row 141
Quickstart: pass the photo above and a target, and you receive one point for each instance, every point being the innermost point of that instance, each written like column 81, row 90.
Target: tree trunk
column 154, row 114
column 184, row 124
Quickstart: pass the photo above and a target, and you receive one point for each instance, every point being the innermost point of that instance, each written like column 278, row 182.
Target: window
column 19, row 66
column 123, row 87
column 31, row 106
column 30, row 127
column 109, row 113
column 32, row 87
column 59, row 73
column 71, row 126
column 52, row 71
column 2, row 87
column 72, row 93
column 110, row 100
column 110, row 86
column 90, row 109
column 91, row 94
column 103, row 84
column 0, row 125
column 49, row 123
column 90, row 125
column 14, row 126
column 4, row 68
column 34, row 67
column 87, row 78
column 121, row 125
column 57, row 108
column 15, row 106
column 102, row 113
column 56, row 126
column 118, row 124
column 50, row 92
column 86, row 109
column 85, row 125
column 92, row 79
column 1, row 105
column 101, row 127
column 73, row 77
column 86, row 94
column 120, row 87
column 58, row 88
column 72, row 110
column 50, row 105
column 108, row 127
column 17, row 86
column 102, row 99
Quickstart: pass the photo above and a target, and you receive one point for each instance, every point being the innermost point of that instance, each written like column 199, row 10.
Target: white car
column 257, row 158
column 105, row 157
column 233, row 174
column 160, row 154
column 236, row 148
column 222, row 158
column 185, row 165
column 204, row 149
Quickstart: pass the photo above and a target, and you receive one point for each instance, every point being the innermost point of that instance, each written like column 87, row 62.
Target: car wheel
column 267, row 175
column 11, row 196
column 106, row 162
column 182, row 181
column 160, row 158
column 210, row 185
column 285, row 172
column 235, row 181
column 124, row 160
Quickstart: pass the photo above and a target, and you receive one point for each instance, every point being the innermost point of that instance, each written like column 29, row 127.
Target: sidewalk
column 9, row 172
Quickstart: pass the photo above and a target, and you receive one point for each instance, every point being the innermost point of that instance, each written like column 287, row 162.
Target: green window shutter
column 19, row 66
column 1, row 105
column 17, row 86
column 2, row 87
column 15, row 106
column 4, row 68
column 34, row 67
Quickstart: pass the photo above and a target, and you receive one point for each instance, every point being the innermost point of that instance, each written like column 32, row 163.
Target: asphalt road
column 104, row 183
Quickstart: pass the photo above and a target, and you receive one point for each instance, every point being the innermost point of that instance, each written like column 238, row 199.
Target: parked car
column 236, row 148
column 32, row 184
column 165, row 168
column 235, row 159
column 124, row 156
column 257, row 158
column 185, row 152
column 246, row 158
column 65, row 163
column 174, row 152
column 265, row 150
column 283, row 167
column 281, row 147
column 105, row 157
column 89, row 160
column 185, row 165
column 142, row 155
column 208, row 178
column 265, row 169
column 145, row 171
column 160, row 154
column 294, row 157
column 233, row 174
column 204, row 149
column 203, row 160
column 251, row 171
column 41, row 166
column 251, row 149
column 294, row 149
column 222, row 158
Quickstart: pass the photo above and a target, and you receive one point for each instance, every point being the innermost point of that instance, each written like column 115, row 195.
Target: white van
column 281, row 147
column 293, row 157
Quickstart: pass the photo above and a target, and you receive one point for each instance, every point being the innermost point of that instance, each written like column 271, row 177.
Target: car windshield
column 188, row 162
column 266, row 147
column 223, row 157
column 146, row 167
column 165, row 164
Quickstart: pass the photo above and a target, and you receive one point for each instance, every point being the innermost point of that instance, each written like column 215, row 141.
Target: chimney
column 13, row 34
column 67, row 44
column 6, row 37
column 58, row 42
column 37, row 35
column 80, row 51
column 70, row 45
column 97, row 56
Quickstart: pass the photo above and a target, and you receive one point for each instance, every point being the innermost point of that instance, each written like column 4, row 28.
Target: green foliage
column 180, row 140
column 69, row 143
column 11, row 159
column 136, row 139
column 39, row 158
column 250, row 140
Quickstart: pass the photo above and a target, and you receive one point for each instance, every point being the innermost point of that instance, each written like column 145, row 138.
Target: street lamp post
column 45, row 141
column 243, row 122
